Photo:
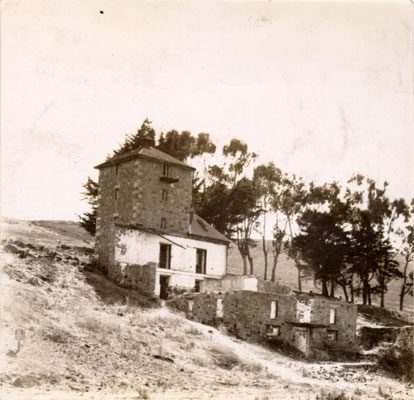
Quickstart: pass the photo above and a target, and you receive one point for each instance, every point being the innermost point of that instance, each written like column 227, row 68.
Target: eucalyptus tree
column 406, row 233
column 266, row 180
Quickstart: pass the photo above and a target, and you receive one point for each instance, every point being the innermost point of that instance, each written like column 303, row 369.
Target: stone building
column 319, row 327
column 147, row 236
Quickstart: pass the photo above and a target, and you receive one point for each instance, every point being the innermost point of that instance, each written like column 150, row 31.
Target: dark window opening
column 165, row 170
column 165, row 194
column 165, row 256
column 116, row 194
column 201, row 261
column 332, row 335
column 197, row 286
column 163, row 223
column 164, row 284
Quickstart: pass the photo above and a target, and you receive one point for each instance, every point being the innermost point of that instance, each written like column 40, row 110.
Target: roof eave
column 143, row 156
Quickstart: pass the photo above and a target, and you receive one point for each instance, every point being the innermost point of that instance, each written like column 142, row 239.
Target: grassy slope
column 84, row 334
column 286, row 274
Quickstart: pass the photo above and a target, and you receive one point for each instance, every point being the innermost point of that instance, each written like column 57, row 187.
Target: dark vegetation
column 397, row 362
column 348, row 237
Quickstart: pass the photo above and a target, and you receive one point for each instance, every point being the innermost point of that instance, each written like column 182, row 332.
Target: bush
column 192, row 330
column 224, row 357
column 397, row 362
column 333, row 395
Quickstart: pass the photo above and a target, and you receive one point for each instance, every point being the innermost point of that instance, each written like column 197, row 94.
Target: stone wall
column 243, row 282
column 246, row 314
column 149, row 206
column 319, row 313
column 111, row 209
column 142, row 277
column 251, row 315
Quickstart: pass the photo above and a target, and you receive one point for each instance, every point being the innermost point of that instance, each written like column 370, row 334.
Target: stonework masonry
column 131, row 192
column 301, row 320
column 139, row 277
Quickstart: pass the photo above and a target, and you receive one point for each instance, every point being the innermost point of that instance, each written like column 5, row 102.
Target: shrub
column 397, row 362
column 251, row 366
column 224, row 357
column 192, row 330
column 333, row 395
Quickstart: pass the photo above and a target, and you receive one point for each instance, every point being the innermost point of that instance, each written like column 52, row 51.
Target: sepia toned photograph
column 207, row 199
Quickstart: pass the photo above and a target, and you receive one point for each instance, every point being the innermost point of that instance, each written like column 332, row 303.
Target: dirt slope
column 85, row 338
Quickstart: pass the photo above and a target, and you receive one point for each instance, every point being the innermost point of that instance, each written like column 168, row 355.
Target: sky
column 324, row 89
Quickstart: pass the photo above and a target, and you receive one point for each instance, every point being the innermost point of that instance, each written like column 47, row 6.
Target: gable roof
column 149, row 153
column 202, row 229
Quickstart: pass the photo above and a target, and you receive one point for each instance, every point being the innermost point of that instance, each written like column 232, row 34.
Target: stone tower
column 145, row 189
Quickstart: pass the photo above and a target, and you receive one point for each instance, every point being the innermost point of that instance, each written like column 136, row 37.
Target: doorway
column 302, row 340
column 164, row 284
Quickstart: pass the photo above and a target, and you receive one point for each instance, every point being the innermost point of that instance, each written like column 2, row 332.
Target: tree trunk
column 325, row 288
column 382, row 303
column 369, row 294
column 332, row 288
column 299, row 280
column 250, row 258
column 404, row 282
column 273, row 278
column 345, row 292
column 364, row 294
column 351, row 289
column 244, row 264
column 265, row 252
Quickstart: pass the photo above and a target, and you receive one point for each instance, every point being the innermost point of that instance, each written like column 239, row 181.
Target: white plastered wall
column 139, row 247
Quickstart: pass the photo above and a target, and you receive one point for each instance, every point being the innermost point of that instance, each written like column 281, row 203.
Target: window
column 219, row 308
column 165, row 194
column 163, row 223
column 201, row 260
column 272, row 330
column 165, row 256
column 332, row 316
column 116, row 194
column 197, row 286
column 332, row 335
column 273, row 309
column 165, row 170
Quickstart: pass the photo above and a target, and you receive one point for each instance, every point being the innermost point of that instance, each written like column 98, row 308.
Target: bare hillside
column 86, row 338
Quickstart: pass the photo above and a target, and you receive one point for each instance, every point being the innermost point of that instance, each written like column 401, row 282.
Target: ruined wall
column 251, row 315
column 272, row 287
column 141, row 277
column 248, row 314
column 230, row 283
column 149, row 206
column 243, row 282
column 317, row 310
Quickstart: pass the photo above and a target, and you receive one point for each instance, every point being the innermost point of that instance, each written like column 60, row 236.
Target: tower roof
column 149, row 153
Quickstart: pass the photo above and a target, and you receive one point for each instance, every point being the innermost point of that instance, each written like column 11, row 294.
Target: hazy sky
column 324, row 89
